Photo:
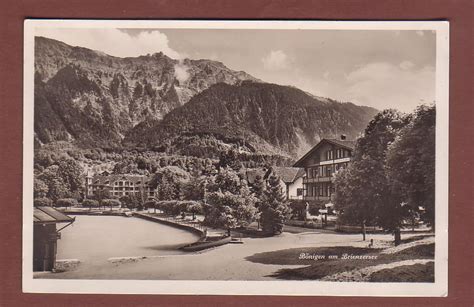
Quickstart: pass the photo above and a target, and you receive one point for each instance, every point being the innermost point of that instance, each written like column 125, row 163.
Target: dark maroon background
column 458, row 12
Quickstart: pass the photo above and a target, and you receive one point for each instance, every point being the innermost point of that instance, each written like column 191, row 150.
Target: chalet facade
column 320, row 165
column 119, row 185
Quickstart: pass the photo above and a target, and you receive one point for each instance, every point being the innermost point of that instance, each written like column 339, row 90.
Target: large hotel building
column 119, row 185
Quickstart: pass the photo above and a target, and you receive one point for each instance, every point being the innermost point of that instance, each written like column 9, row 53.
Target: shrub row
column 175, row 207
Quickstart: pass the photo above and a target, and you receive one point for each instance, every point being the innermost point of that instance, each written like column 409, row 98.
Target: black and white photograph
column 236, row 157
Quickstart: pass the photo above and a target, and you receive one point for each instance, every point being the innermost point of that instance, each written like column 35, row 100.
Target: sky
column 377, row 68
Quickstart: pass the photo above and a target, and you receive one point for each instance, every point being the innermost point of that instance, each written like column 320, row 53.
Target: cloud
column 113, row 41
column 406, row 65
column 181, row 72
column 383, row 84
column 276, row 60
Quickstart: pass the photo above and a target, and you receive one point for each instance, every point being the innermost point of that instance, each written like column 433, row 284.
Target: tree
column 140, row 197
column 101, row 194
column 356, row 207
column 167, row 190
column 411, row 164
column 226, row 180
column 274, row 207
column 230, row 211
column 258, row 189
column 71, row 172
column 42, row 202
column 111, row 203
column 40, row 188
column 168, row 181
column 57, row 189
column 194, row 189
column 63, row 179
column 363, row 194
column 194, row 207
column 229, row 158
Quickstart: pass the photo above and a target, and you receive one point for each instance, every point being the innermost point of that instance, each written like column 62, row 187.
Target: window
column 328, row 171
column 299, row 192
column 329, row 155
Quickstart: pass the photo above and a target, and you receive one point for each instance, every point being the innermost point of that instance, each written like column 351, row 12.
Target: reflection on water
column 94, row 239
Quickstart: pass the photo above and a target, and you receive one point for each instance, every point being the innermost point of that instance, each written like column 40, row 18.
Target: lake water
column 94, row 239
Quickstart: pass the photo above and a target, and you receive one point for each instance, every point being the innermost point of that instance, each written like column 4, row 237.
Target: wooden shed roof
column 49, row 215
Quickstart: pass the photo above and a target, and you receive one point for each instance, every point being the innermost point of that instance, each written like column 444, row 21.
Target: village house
column 119, row 184
column 291, row 179
column 320, row 164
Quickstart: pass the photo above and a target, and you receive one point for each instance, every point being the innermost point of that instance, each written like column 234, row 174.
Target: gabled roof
column 343, row 143
column 350, row 145
column 289, row 174
column 49, row 215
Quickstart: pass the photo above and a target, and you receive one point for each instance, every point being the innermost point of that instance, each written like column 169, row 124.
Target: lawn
column 406, row 273
column 317, row 269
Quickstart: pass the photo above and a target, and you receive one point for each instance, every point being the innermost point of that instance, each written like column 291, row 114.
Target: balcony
column 324, row 198
column 317, row 179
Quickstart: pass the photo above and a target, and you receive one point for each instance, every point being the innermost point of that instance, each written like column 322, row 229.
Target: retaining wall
column 199, row 232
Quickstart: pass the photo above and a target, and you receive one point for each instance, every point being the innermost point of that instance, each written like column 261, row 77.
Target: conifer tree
column 274, row 207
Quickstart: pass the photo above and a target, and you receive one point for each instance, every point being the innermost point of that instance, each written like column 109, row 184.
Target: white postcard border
column 189, row 287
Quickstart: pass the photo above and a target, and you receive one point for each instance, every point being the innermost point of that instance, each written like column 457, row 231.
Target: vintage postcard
column 236, row 157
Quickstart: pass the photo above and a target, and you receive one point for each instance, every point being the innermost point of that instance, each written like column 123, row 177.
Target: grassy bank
column 406, row 273
column 362, row 258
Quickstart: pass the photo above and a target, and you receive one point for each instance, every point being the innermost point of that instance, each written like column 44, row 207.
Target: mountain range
column 189, row 107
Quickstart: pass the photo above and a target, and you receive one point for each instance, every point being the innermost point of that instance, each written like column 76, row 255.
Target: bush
column 128, row 201
column 66, row 202
column 111, row 203
column 298, row 208
column 194, row 207
column 169, row 207
column 42, row 202
column 90, row 203
column 151, row 203
column 175, row 207
column 313, row 209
